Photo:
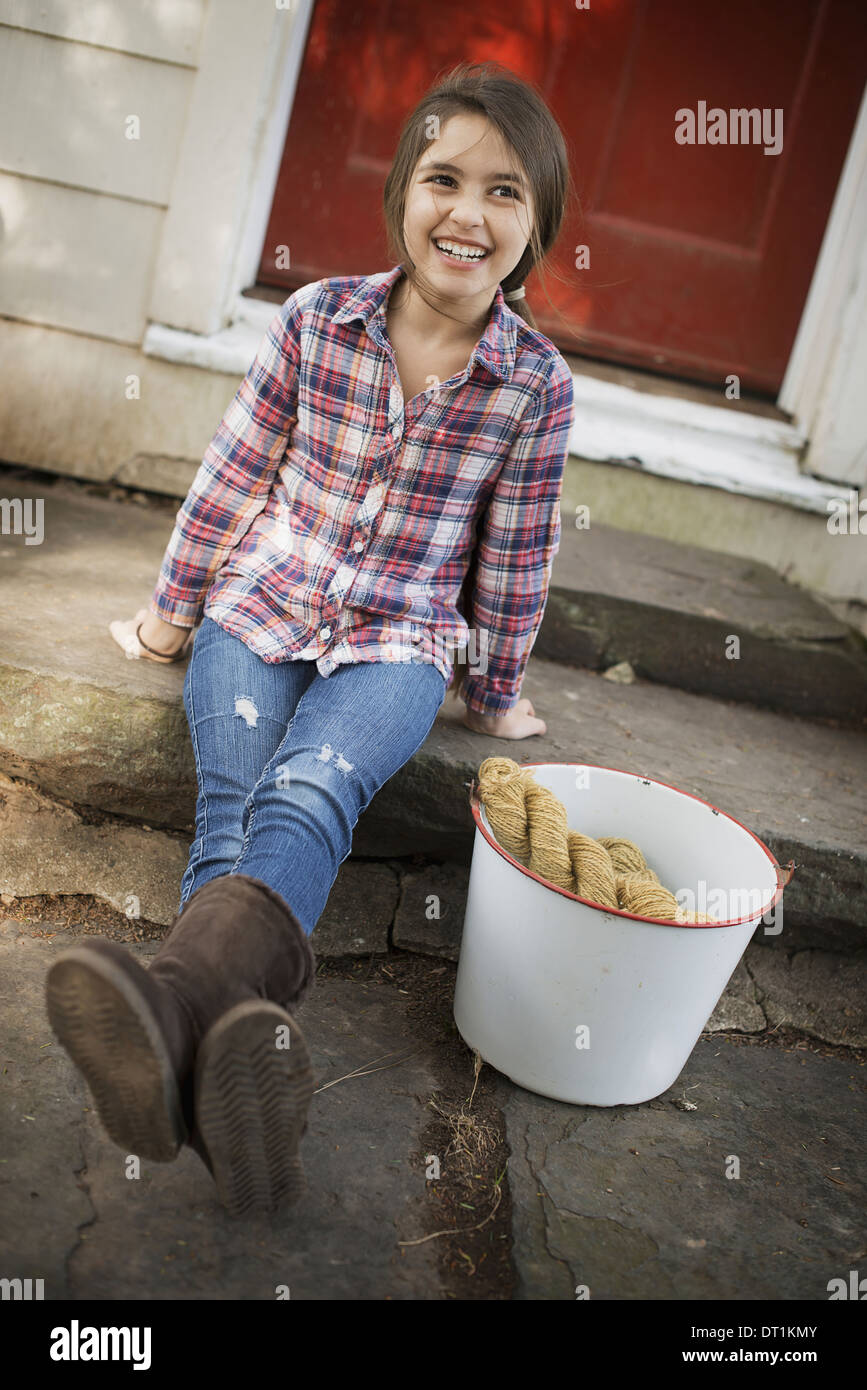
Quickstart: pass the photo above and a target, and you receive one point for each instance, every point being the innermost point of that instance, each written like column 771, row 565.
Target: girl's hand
column 519, row 722
column 163, row 637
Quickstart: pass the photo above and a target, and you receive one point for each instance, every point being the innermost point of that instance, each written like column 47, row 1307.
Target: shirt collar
column 496, row 348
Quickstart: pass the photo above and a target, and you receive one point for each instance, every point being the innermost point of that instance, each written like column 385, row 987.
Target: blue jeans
column 287, row 759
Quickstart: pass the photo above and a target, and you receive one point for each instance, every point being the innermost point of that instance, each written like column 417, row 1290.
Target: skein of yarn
column 530, row 822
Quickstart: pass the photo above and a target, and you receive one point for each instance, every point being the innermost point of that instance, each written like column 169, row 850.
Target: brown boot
column 132, row 1040
column 134, row 1032
column 253, row 1085
column 253, row 1077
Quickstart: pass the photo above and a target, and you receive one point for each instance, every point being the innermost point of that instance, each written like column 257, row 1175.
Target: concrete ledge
column 676, row 612
column 797, row 544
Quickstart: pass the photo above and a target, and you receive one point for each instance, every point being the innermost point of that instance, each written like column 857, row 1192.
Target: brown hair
column 516, row 109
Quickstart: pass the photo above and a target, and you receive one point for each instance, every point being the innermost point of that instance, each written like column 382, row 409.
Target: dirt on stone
column 45, row 914
column 791, row 1040
column 468, row 1211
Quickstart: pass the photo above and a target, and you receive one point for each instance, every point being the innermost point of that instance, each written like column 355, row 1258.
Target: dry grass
column 470, row 1137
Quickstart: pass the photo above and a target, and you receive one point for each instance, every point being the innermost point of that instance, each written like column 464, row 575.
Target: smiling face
column 481, row 203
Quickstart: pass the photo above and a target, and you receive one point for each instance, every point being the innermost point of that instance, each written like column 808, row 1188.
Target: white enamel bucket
column 592, row 1005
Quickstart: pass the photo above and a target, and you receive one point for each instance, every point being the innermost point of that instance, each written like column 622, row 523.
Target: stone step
column 87, row 724
column 673, row 611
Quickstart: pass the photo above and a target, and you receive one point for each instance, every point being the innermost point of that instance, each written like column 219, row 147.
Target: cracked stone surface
column 634, row 1202
column 42, row 1203
column 818, row 992
column 631, row 1201
column 359, row 911
column 49, row 848
column 738, row 1010
column 69, row 1214
column 430, row 915
column 667, row 609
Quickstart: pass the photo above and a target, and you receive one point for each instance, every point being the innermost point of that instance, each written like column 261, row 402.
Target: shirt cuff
column 482, row 701
column 178, row 614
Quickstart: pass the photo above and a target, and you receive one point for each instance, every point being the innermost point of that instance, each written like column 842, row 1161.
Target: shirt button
column 325, row 633
column 358, row 545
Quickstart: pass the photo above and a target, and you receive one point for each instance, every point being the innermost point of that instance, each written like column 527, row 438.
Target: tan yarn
column 530, row 822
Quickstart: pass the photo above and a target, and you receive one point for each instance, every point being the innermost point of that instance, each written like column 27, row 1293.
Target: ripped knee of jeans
column 326, row 755
column 245, row 707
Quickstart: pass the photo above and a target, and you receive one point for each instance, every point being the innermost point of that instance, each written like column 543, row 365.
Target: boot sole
column 251, row 1101
column 108, row 1029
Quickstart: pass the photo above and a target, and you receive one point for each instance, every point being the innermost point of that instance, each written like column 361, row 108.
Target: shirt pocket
column 474, row 470
column 336, row 436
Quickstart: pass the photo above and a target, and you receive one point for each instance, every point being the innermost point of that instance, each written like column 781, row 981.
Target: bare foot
column 125, row 634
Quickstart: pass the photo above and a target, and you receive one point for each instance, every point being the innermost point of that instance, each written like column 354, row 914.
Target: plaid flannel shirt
column 331, row 521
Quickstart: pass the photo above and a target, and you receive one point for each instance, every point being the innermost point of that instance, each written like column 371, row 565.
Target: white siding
column 82, row 206
column 76, row 260
column 164, row 29
column 65, row 109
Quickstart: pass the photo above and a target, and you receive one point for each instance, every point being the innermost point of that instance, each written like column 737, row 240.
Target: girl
column 396, row 434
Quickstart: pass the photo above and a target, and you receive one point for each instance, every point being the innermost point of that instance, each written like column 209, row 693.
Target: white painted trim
column 257, row 313
column 823, row 388
column 284, row 80
column 227, row 161
column 838, row 447
column 694, row 443
column 231, row 350
column 802, row 384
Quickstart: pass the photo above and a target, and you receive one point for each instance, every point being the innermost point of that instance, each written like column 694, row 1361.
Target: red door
column 700, row 254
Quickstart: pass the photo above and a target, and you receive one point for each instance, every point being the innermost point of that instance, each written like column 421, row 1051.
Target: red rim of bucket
column 782, row 882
